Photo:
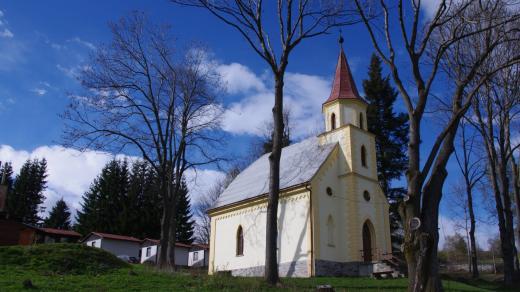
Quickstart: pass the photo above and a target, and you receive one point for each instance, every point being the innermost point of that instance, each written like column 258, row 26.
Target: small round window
column 366, row 196
column 329, row 191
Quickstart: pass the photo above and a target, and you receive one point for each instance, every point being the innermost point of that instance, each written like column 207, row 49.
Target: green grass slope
column 75, row 267
column 60, row 258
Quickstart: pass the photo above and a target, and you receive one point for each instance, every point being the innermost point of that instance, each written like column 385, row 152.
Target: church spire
column 343, row 86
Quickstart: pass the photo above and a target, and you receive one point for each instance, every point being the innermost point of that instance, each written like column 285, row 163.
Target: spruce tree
column 6, row 173
column 59, row 216
column 391, row 134
column 27, row 192
column 185, row 224
column 7, row 168
column 143, row 195
column 104, row 205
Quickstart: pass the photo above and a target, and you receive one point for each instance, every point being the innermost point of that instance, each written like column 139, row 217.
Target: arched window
column 333, row 121
column 361, row 121
column 240, row 241
column 330, row 231
column 363, row 156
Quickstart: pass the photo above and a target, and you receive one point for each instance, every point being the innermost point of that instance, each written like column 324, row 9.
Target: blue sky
column 43, row 44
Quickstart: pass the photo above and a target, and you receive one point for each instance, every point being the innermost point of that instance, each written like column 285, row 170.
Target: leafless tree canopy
column 495, row 116
column 143, row 96
column 452, row 47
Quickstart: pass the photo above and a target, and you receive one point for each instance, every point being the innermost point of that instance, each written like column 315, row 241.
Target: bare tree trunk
column 271, row 265
column 507, row 232
column 516, row 190
column 473, row 245
column 163, row 259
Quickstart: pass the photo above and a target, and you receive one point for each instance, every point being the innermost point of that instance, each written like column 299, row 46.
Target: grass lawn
column 69, row 267
column 147, row 279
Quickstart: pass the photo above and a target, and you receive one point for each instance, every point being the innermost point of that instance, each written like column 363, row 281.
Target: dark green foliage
column 105, row 204
column 127, row 202
column 60, row 258
column 59, row 216
column 27, row 192
column 185, row 224
column 144, row 218
column 391, row 131
column 7, row 168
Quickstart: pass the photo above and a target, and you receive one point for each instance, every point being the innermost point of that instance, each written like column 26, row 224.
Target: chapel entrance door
column 367, row 243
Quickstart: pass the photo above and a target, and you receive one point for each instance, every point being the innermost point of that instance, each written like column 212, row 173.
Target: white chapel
column 332, row 217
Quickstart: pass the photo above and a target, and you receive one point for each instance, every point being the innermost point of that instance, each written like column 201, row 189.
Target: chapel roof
column 343, row 86
column 298, row 165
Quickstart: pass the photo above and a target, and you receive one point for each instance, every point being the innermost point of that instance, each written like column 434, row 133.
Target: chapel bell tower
column 346, row 122
column 344, row 105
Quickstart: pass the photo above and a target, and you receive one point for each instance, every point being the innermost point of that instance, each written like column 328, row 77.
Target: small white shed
column 115, row 244
column 198, row 256
column 150, row 251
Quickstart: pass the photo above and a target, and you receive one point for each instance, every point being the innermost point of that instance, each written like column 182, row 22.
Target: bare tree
column 264, row 143
column 496, row 113
column 451, row 35
column 296, row 21
column 472, row 170
column 143, row 97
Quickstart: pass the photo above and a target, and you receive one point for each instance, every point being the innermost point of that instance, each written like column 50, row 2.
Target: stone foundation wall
column 330, row 268
column 291, row 269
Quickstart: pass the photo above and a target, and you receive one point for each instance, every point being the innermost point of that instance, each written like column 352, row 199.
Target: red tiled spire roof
column 344, row 86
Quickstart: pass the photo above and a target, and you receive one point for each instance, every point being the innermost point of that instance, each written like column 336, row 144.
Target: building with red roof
column 119, row 245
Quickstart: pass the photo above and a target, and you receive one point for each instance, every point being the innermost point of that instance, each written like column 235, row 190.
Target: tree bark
column 516, row 190
column 473, row 245
column 163, row 261
column 271, row 264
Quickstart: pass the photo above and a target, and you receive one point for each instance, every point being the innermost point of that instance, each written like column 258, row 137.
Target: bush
column 60, row 258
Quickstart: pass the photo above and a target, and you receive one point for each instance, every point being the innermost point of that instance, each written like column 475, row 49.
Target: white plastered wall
column 293, row 236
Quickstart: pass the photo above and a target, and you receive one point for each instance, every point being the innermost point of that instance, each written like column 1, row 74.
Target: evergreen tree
column 6, row 173
column 105, row 204
column 59, row 216
column 143, row 195
column 185, row 224
column 7, row 168
column 27, row 192
column 391, row 134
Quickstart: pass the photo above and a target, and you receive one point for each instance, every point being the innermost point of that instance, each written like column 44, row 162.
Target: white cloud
column 239, row 78
column 72, row 72
column 303, row 96
column 83, row 42
column 39, row 91
column 6, row 33
column 70, row 172
column 201, row 181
